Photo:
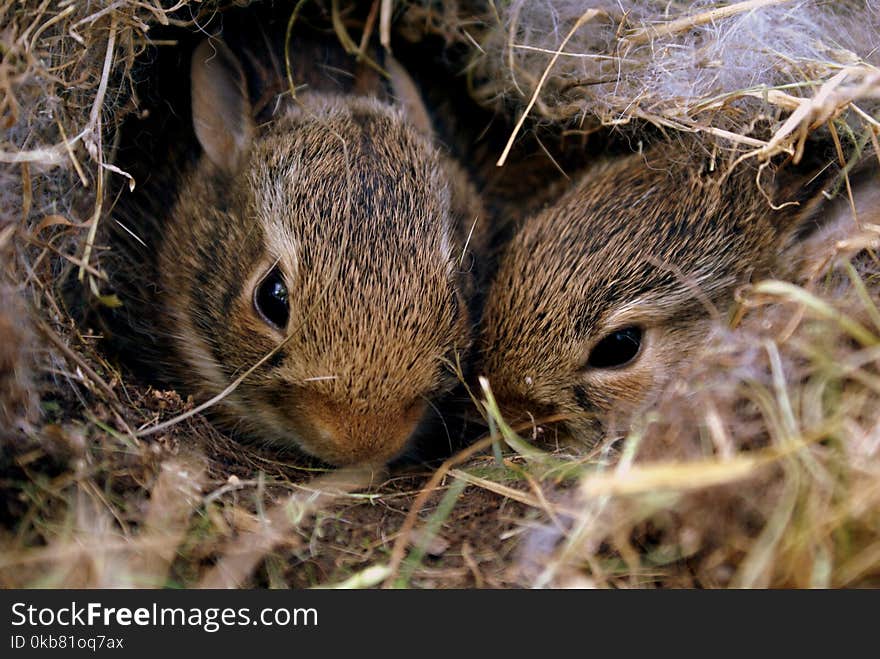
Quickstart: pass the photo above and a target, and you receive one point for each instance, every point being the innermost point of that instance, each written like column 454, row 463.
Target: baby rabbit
column 326, row 251
column 600, row 298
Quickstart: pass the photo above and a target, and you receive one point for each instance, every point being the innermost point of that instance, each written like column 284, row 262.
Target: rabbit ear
column 408, row 96
column 221, row 110
column 862, row 208
column 831, row 227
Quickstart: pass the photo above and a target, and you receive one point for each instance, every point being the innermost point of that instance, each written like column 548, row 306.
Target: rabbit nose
column 341, row 435
column 518, row 410
column 516, row 400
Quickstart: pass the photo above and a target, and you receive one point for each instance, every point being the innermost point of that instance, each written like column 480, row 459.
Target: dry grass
column 761, row 470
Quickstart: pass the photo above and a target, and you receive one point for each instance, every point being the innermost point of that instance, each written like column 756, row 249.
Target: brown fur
column 367, row 220
column 647, row 240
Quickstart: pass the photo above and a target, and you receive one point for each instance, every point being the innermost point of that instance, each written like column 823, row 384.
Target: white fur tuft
column 665, row 61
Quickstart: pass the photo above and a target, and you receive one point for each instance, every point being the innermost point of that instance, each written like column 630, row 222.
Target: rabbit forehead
column 358, row 174
column 359, row 215
column 636, row 236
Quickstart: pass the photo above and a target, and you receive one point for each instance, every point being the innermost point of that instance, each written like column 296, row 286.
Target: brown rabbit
column 328, row 251
column 602, row 297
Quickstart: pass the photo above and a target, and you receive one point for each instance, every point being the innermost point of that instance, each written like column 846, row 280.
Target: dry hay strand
column 18, row 403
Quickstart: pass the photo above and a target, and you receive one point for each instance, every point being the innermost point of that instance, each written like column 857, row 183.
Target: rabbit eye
column 617, row 349
column 271, row 300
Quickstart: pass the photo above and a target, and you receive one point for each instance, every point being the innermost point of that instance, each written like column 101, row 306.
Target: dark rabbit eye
column 270, row 299
column 617, row 349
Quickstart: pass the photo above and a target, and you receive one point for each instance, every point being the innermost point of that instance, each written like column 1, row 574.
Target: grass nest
column 761, row 468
